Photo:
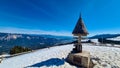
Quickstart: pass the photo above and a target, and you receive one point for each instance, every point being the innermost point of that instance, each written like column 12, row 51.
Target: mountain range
column 104, row 36
column 32, row 41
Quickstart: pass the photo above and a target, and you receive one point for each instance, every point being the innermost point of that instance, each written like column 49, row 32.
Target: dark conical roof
column 80, row 29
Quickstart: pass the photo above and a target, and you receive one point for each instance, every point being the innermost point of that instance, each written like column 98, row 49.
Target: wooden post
column 79, row 39
column 79, row 45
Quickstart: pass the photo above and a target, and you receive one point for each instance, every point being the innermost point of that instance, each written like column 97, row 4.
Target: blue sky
column 58, row 17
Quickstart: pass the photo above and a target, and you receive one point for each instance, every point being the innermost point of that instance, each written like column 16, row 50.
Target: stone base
column 80, row 59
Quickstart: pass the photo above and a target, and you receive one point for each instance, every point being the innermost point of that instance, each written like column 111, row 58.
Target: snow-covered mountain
column 9, row 40
column 106, row 39
column 115, row 38
column 104, row 36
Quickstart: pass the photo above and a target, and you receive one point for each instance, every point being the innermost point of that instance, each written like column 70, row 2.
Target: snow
column 49, row 57
column 4, row 55
column 104, row 57
column 54, row 57
column 84, row 40
column 94, row 40
column 115, row 39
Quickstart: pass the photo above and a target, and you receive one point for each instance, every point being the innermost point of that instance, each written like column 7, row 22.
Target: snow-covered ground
column 54, row 57
column 49, row 57
column 104, row 57
column 115, row 39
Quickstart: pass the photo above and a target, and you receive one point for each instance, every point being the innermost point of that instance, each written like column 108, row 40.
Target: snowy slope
column 49, row 57
column 115, row 39
column 103, row 57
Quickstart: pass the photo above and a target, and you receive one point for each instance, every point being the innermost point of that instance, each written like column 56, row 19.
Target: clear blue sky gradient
column 100, row 16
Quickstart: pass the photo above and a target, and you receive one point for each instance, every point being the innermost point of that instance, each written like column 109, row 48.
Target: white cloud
column 34, row 31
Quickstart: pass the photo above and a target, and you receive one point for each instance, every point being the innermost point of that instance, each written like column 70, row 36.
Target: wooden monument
column 79, row 30
column 77, row 56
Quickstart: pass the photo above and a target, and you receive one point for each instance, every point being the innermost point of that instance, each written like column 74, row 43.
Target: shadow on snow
column 49, row 62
